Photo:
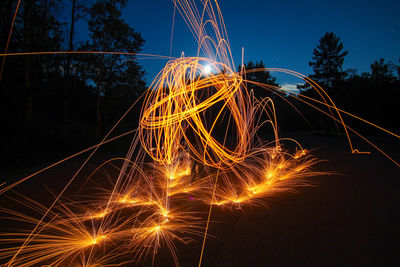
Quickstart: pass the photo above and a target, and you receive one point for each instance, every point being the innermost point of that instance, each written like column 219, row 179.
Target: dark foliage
column 328, row 60
column 372, row 96
column 255, row 73
column 65, row 102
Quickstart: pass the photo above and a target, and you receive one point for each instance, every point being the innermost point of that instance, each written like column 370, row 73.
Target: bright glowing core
column 207, row 69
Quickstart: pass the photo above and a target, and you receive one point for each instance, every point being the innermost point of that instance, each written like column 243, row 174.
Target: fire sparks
column 193, row 162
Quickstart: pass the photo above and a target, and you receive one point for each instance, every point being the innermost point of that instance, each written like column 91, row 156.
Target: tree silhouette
column 109, row 32
column 382, row 72
column 78, row 11
column 38, row 29
column 327, row 60
column 259, row 75
column 398, row 71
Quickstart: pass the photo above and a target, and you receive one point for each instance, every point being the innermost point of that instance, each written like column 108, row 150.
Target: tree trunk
column 68, row 67
column 100, row 91
column 28, row 63
column 98, row 115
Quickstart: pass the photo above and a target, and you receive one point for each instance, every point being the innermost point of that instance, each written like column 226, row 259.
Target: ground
column 349, row 217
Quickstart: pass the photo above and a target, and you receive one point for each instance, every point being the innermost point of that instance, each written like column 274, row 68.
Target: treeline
column 65, row 100
column 373, row 95
column 370, row 95
column 68, row 100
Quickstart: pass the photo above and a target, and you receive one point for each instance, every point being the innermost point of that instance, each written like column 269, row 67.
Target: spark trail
column 180, row 161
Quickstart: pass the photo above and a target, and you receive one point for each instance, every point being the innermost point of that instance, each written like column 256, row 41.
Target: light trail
column 83, row 53
column 9, row 39
column 197, row 147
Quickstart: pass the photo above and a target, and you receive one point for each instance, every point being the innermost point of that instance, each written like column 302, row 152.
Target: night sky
column 345, row 215
column 281, row 33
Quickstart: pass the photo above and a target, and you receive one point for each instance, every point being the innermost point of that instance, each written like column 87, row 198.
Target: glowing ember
column 153, row 204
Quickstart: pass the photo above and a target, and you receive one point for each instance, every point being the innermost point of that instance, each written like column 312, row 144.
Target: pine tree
column 259, row 75
column 382, row 72
column 327, row 61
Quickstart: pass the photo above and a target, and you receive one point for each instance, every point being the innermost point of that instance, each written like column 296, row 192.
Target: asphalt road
column 349, row 217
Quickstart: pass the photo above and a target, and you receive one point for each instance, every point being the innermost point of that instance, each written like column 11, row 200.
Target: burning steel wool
column 197, row 145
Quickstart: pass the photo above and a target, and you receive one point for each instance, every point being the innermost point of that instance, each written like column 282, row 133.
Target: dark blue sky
column 281, row 33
